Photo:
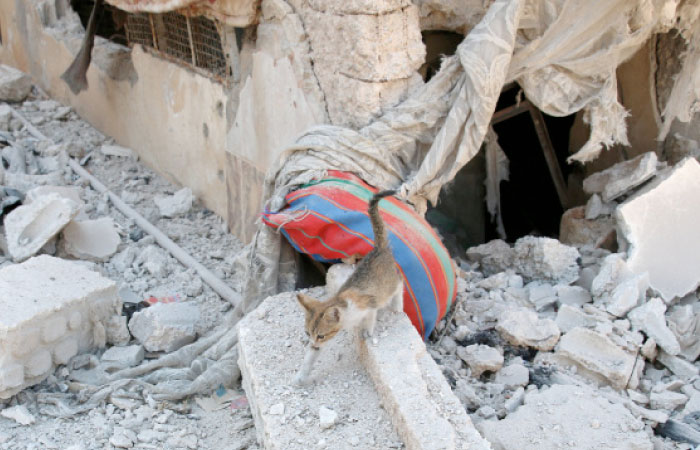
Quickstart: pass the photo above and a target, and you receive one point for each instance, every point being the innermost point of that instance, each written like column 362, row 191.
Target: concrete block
column 619, row 179
column 14, row 85
column 493, row 257
column 423, row 408
column 565, row 416
column 29, row 227
column 124, row 356
column 91, row 239
column 175, row 205
column 165, row 326
column 651, row 318
column 597, row 353
column 546, row 259
column 41, row 301
column 481, row 358
column 513, row 376
column 572, row 295
column 522, row 327
column 661, row 228
column 338, row 381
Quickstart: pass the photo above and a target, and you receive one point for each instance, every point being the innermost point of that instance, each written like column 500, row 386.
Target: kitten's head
column 323, row 321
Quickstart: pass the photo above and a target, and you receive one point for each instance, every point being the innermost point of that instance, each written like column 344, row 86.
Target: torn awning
column 236, row 13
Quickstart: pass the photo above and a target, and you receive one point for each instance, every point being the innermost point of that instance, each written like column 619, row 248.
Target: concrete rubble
column 176, row 204
column 29, row 227
column 14, row 84
column 577, row 343
column 165, row 326
column 69, row 305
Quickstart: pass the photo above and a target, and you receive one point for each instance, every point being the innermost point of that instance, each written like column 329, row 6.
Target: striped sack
column 328, row 220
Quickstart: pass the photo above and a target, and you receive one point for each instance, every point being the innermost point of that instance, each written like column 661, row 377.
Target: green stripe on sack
column 365, row 194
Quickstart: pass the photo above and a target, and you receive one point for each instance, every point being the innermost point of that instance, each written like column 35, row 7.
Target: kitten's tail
column 380, row 239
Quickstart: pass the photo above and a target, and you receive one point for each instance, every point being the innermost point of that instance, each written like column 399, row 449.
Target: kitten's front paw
column 300, row 380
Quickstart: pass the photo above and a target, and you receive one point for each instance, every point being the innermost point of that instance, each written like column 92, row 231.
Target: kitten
column 375, row 284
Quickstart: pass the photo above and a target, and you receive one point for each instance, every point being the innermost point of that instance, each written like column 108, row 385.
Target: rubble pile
column 109, row 297
column 582, row 344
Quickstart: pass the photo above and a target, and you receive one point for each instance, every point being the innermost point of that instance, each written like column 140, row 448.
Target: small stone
column 123, row 438
column 154, row 259
column 651, row 319
column 513, row 376
column 515, row 400
column 327, row 417
column 481, row 358
column 150, row 436
column 627, row 295
column 124, row 356
column 667, row 400
column 175, row 205
column 277, row 409
column 570, row 317
column 19, row 414
column 14, row 85
column 494, row 256
column 572, row 295
column 117, row 150
column 91, row 239
column 165, row 326
column 546, row 259
column 595, row 208
column 523, row 328
column 541, row 295
column 648, row 350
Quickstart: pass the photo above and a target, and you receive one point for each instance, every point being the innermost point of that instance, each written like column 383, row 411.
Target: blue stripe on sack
column 409, row 260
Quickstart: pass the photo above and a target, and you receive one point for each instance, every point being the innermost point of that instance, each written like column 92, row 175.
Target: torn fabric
column 563, row 53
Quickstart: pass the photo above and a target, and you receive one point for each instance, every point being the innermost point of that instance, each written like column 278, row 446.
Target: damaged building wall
column 172, row 117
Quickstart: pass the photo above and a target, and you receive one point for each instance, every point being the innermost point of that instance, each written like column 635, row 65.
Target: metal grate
column 138, row 30
column 206, row 41
column 195, row 42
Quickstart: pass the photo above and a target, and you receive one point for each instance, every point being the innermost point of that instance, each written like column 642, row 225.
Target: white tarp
column 563, row 53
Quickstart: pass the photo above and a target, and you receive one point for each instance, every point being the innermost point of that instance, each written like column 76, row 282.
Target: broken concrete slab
column 597, row 353
column 176, row 204
column 29, row 227
column 52, row 310
column 14, row 84
column 423, row 408
column 619, row 179
column 564, row 416
column 546, row 259
column 522, row 327
column 91, row 239
column 660, row 224
column 651, row 318
column 338, row 380
column 481, row 358
column 165, row 326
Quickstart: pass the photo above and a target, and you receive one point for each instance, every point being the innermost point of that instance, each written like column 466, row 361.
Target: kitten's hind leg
column 310, row 358
column 368, row 324
column 397, row 299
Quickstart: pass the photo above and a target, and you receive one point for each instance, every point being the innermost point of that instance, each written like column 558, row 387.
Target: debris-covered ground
column 141, row 269
column 548, row 346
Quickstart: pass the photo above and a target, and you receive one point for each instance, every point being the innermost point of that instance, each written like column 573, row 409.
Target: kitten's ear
column 306, row 301
column 334, row 313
